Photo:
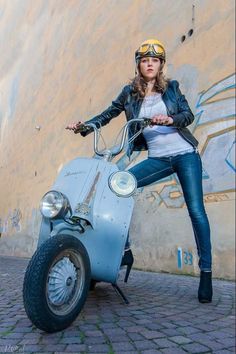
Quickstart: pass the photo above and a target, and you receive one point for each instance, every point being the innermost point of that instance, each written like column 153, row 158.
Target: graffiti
column 230, row 157
column 221, row 168
column 15, row 218
column 188, row 258
column 3, row 226
column 172, row 196
column 219, row 197
column 208, row 111
column 184, row 256
column 12, row 221
column 216, row 105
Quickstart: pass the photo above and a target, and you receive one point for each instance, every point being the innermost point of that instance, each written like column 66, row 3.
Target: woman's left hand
column 162, row 120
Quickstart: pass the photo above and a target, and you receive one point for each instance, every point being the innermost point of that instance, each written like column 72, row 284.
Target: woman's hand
column 74, row 126
column 162, row 119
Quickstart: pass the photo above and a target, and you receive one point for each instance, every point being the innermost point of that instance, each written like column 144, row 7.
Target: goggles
column 154, row 50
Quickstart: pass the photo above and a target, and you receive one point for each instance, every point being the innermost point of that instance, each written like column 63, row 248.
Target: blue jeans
column 188, row 168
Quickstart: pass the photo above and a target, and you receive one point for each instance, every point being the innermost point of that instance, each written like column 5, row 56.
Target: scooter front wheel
column 56, row 283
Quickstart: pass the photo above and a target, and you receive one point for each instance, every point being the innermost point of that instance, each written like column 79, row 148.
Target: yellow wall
column 65, row 60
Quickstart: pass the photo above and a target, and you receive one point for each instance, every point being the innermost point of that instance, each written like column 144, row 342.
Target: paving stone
column 71, row 333
column 118, row 338
column 12, row 335
column 95, row 333
column 116, row 331
column 195, row 348
column 49, row 339
column 75, row 348
column 22, row 329
column 164, row 343
column 53, row 347
column 29, row 341
column 180, row 339
column 70, row 340
column 32, row 348
column 224, row 351
column 122, row 346
column 10, row 342
column 206, row 327
column 173, row 351
column 124, row 352
column 199, row 337
column 145, row 344
column 164, row 316
column 135, row 336
column 150, row 351
column 94, row 340
column 212, row 344
column 154, row 326
column 99, row 348
column 135, row 329
column 228, row 342
column 170, row 332
column 188, row 330
column 62, row 353
column 152, row 334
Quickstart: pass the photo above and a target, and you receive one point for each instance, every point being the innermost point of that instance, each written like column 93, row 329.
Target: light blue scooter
column 83, row 234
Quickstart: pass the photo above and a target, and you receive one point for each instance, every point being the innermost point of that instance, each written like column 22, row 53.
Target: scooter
column 83, row 235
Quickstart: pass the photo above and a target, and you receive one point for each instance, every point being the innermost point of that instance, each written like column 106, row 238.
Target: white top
column 161, row 140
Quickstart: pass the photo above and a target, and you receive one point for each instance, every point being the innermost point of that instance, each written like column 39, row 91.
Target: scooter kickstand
column 120, row 292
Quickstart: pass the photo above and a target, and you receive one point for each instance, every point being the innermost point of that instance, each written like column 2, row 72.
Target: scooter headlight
column 53, row 204
column 122, row 183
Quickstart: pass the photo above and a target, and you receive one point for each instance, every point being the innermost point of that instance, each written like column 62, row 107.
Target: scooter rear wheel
column 56, row 283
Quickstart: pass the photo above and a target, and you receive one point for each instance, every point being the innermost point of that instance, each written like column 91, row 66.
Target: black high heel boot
column 127, row 260
column 205, row 287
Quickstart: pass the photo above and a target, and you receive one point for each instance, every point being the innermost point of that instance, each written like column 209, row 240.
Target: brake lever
column 146, row 122
column 82, row 129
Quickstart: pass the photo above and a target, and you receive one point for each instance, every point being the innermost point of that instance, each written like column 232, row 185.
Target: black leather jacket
column 177, row 108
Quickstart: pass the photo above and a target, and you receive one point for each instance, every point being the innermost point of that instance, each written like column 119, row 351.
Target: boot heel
column 128, row 269
column 127, row 260
column 205, row 287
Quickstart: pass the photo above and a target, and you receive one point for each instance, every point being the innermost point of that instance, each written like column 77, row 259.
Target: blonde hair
column 140, row 85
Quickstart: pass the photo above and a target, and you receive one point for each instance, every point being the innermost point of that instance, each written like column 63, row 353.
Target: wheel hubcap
column 61, row 282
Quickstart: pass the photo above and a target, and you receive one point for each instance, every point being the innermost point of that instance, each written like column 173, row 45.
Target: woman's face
column 149, row 67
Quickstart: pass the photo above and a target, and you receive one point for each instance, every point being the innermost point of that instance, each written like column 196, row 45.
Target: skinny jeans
column 188, row 168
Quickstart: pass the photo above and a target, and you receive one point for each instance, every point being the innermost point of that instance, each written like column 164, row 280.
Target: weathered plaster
column 65, row 60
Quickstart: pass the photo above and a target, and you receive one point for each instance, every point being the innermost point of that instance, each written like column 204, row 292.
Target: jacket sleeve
column 116, row 107
column 185, row 116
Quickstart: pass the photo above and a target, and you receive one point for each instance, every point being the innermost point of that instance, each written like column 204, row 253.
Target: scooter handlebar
column 144, row 122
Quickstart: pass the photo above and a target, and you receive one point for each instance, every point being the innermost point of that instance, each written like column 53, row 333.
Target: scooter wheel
column 56, row 283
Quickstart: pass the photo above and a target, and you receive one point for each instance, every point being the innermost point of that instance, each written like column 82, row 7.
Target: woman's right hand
column 74, row 126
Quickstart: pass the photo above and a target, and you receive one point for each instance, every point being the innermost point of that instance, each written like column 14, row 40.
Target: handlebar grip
column 82, row 129
column 146, row 122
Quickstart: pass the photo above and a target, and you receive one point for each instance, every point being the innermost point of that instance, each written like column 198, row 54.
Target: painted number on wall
column 188, row 258
column 185, row 257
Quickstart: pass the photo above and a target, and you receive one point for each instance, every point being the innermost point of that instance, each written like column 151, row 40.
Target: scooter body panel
column 84, row 181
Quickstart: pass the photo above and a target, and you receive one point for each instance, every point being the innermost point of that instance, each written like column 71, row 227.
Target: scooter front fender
column 105, row 245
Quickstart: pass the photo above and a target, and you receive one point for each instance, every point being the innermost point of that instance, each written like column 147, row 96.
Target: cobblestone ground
column 163, row 316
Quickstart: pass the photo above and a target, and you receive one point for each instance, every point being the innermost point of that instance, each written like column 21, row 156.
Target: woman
column 171, row 147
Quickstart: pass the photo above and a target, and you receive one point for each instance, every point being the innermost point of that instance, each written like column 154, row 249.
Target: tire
column 56, row 283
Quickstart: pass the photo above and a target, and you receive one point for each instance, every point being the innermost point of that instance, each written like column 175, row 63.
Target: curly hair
column 140, row 85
